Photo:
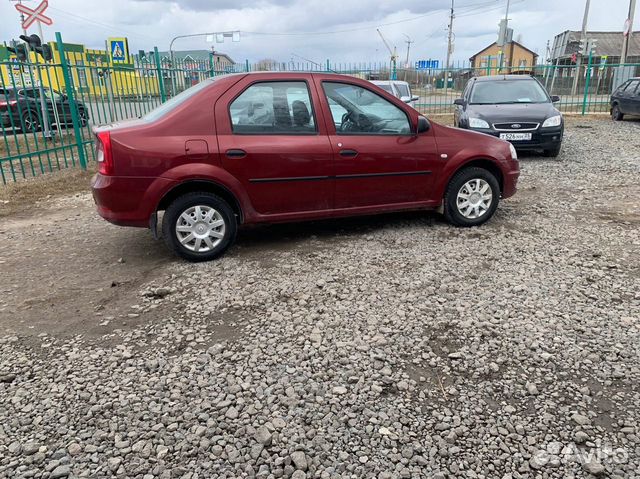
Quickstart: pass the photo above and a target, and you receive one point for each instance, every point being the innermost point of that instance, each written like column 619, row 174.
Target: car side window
column 467, row 90
column 273, row 108
column 633, row 87
column 356, row 111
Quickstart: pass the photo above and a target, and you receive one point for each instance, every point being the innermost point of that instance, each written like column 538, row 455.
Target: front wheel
column 199, row 226
column 616, row 113
column 30, row 122
column 552, row 153
column 471, row 197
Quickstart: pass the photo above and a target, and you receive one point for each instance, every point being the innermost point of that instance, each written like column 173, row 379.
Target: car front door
column 272, row 139
column 379, row 160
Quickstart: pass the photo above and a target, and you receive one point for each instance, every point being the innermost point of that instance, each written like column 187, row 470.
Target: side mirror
column 415, row 98
column 459, row 102
column 555, row 98
column 423, row 124
column 406, row 99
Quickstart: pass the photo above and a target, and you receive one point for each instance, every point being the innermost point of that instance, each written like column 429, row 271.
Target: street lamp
column 219, row 37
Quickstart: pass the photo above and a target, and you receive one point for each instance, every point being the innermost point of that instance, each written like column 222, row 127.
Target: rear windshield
column 176, row 101
column 508, row 91
column 386, row 87
column 403, row 89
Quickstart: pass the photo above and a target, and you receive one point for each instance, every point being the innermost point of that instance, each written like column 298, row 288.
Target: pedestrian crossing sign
column 119, row 50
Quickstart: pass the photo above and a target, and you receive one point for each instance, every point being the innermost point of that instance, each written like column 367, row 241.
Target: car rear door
column 273, row 140
column 390, row 166
column 634, row 99
column 626, row 97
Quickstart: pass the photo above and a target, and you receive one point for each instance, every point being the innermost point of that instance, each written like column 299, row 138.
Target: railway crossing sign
column 34, row 15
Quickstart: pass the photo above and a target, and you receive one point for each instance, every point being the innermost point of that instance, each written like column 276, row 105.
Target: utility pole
column 583, row 36
column 629, row 29
column 24, row 30
column 408, row 41
column 506, row 32
column 449, row 48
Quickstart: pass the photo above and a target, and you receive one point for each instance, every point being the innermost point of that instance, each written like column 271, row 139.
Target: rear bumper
column 128, row 201
column 5, row 119
column 541, row 139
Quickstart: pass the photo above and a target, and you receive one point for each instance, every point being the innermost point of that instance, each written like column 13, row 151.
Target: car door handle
column 236, row 153
column 348, row 153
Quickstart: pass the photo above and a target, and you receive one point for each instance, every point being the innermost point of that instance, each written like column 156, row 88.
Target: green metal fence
column 80, row 91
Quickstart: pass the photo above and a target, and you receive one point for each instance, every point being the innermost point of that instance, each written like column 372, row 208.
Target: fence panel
column 80, row 90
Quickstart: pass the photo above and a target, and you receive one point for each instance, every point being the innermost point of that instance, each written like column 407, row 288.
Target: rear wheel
column 616, row 113
column 199, row 226
column 84, row 119
column 471, row 197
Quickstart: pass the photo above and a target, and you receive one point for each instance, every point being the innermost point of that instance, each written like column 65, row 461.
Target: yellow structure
column 92, row 71
column 512, row 57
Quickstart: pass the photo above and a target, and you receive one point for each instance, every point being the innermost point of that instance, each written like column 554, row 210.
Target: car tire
column 467, row 184
column 616, row 114
column 29, row 122
column 552, row 153
column 199, row 226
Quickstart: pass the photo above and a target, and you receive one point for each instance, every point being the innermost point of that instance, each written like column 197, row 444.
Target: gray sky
column 339, row 30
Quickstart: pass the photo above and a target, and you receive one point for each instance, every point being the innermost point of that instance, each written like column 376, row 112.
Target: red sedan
column 275, row 147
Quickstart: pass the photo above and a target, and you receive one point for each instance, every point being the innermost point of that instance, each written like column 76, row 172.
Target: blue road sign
column 427, row 64
column 118, row 49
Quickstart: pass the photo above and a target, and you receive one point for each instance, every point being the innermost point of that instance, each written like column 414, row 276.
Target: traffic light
column 47, row 53
column 19, row 50
column 35, row 44
column 587, row 46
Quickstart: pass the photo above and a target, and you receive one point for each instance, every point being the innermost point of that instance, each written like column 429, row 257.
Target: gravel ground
column 386, row 347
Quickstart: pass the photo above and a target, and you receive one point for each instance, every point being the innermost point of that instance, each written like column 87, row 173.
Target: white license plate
column 515, row 136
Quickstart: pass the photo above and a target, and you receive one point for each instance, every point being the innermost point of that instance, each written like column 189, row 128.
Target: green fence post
column 246, row 65
column 212, row 64
column 586, row 84
column 156, row 55
column 68, row 78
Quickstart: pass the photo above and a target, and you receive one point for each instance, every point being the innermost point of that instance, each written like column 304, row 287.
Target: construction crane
column 394, row 55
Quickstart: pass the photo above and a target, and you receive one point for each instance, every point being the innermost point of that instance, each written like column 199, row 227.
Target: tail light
column 104, row 153
column 5, row 103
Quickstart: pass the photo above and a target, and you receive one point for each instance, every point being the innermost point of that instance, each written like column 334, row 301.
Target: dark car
column 273, row 147
column 20, row 108
column 515, row 108
column 625, row 100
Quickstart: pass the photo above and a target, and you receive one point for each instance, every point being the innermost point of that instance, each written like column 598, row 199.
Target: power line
column 73, row 16
column 471, row 6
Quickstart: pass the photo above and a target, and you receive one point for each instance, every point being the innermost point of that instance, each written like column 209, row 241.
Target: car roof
column 504, row 77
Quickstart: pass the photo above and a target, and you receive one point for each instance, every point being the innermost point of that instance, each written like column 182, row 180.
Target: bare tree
column 265, row 64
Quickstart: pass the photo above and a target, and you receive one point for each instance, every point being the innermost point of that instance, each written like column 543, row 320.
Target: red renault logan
column 274, row 147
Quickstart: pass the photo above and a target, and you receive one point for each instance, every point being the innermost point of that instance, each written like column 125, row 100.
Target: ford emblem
column 515, row 126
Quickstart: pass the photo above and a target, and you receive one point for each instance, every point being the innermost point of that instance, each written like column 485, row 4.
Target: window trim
column 342, row 133
column 291, row 133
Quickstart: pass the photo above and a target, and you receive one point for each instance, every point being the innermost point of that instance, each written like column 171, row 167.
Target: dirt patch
column 15, row 197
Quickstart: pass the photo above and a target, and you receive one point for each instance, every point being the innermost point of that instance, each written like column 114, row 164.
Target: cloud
column 149, row 23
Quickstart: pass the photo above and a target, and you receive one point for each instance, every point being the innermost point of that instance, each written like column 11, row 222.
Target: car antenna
column 311, row 61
